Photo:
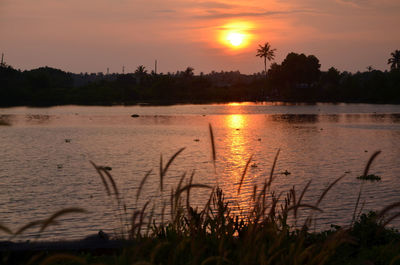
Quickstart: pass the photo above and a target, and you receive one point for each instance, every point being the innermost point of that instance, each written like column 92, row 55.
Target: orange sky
column 91, row 35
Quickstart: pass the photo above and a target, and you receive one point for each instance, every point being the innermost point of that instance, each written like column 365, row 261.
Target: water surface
column 46, row 152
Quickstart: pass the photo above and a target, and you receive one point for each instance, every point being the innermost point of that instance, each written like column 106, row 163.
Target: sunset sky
column 91, row 35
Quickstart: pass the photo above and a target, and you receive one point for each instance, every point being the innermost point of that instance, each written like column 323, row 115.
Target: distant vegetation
column 297, row 78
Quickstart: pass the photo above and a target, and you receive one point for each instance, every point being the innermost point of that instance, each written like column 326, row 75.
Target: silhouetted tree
column 296, row 77
column 394, row 61
column 140, row 72
column 188, row 72
column 267, row 53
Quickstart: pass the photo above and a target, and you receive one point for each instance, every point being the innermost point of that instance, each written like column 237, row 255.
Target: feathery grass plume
column 163, row 170
column 5, row 229
column 55, row 259
column 371, row 159
column 133, row 224
column 206, row 210
column 296, row 206
column 190, row 186
column 273, row 169
column 142, row 183
column 27, row 226
column 161, row 173
column 150, row 218
column 301, row 197
column 188, row 191
column 141, row 217
column 181, row 180
column 214, row 155
column 254, row 192
column 163, row 212
column 105, row 184
column 309, row 219
column 52, row 219
column 244, row 173
column 367, row 166
column 328, row 189
column 111, row 179
column 353, row 219
column 387, row 209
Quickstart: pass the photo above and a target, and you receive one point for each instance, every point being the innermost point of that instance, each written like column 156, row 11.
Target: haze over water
column 46, row 153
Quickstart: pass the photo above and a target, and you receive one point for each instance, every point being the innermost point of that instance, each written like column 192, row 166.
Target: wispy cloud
column 218, row 15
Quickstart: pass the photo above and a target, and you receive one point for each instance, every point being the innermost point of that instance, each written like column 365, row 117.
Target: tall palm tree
column 395, row 60
column 267, row 53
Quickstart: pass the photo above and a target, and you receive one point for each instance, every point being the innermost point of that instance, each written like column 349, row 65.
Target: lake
column 46, row 154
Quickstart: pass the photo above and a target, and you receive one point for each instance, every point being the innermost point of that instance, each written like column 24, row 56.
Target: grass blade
column 163, row 170
column 105, row 184
column 214, row 155
column 142, row 183
column 328, row 188
column 371, row 159
column 273, row 168
column 244, row 173
column 5, row 229
column 51, row 219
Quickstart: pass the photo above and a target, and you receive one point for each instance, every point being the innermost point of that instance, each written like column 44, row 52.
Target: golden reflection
column 237, row 143
column 236, row 121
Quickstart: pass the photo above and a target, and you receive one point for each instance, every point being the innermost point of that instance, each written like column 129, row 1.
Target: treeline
column 297, row 78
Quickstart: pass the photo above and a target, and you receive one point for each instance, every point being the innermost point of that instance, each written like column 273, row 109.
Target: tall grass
column 214, row 234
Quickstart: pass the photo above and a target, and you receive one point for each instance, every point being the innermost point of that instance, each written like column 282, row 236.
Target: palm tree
column 267, row 53
column 395, row 60
column 140, row 72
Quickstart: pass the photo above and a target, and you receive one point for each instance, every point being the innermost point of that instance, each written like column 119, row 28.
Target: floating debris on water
column 370, row 177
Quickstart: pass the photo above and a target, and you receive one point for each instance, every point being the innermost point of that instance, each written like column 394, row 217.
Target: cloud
column 165, row 11
column 218, row 15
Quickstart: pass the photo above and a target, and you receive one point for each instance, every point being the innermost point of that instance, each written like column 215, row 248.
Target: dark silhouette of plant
column 140, row 72
column 267, row 53
column 188, row 72
column 394, row 61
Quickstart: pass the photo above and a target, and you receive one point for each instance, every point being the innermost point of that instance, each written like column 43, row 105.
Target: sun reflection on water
column 237, row 154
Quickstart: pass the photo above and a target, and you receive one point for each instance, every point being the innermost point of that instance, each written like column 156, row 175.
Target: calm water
column 41, row 172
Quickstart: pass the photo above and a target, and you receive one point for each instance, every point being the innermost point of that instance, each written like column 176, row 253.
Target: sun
column 235, row 38
column 236, row 35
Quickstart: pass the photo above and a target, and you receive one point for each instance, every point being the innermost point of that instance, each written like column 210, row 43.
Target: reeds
column 214, row 234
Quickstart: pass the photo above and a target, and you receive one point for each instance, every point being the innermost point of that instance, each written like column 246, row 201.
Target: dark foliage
column 297, row 78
